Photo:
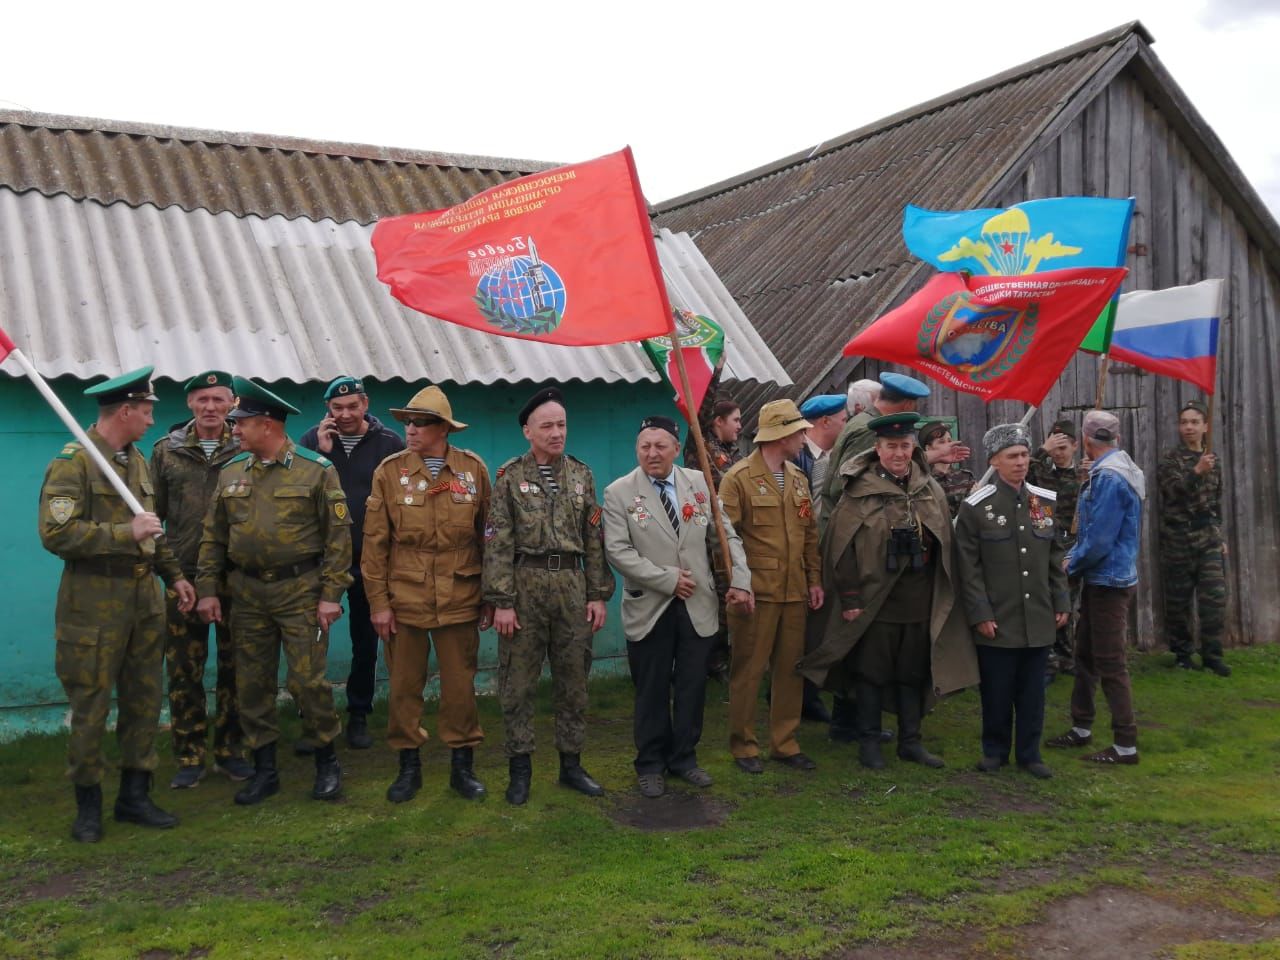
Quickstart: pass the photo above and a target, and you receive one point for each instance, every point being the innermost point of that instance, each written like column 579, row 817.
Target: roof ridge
column 1115, row 36
column 262, row 141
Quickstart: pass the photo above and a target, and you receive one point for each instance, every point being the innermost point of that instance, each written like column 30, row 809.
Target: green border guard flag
column 702, row 341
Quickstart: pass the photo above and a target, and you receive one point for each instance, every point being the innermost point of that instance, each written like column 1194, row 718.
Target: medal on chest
column 404, row 477
column 805, row 510
column 1035, row 509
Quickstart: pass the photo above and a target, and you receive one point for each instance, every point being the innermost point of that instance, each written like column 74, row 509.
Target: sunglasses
column 421, row 422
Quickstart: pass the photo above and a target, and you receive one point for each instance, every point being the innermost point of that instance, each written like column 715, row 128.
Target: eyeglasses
column 421, row 422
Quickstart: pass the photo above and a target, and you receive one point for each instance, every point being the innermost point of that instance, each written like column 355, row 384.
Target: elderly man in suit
column 657, row 534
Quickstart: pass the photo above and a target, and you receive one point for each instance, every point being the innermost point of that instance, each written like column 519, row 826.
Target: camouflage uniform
column 544, row 556
column 279, row 533
column 1065, row 482
column 1191, row 552
column 956, row 484
column 109, row 620
column 720, row 455
column 185, row 480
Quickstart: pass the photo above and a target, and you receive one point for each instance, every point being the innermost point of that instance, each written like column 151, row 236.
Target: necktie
column 669, row 506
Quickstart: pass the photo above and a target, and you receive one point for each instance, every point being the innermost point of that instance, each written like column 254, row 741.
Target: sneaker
column 1039, row 770
column 695, row 777
column 652, row 786
column 1217, row 665
column 235, row 769
column 187, row 777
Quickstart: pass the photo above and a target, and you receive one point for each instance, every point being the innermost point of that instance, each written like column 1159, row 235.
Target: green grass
column 803, row 866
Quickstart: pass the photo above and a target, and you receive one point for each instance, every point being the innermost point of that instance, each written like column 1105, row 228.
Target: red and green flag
column 1002, row 338
column 6, row 345
column 702, row 344
column 565, row 256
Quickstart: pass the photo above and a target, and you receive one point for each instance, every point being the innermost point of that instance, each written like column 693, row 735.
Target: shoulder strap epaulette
column 69, row 450
column 503, row 469
column 393, row 456
column 1042, row 492
column 311, row 455
column 980, row 494
column 240, row 457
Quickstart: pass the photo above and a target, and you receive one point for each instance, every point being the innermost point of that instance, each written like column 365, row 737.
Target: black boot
column 573, row 776
column 134, row 805
column 867, row 711
column 910, row 714
column 462, row 776
column 265, row 781
column 358, row 732
column 520, row 768
column 409, row 781
column 844, row 720
column 88, row 825
column 328, row 774
column 812, row 707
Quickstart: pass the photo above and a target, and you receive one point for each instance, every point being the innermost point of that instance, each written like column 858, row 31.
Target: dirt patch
column 339, row 913
column 1265, row 704
column 675, row 811
column 62, row 886
column 1008, row 791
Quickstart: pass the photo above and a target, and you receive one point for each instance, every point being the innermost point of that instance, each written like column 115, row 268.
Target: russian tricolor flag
column 1173, row 332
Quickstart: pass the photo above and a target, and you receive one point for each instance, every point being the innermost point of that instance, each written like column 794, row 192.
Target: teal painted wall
column 602, row 422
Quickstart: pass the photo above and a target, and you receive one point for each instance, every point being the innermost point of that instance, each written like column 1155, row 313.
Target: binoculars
column 905, row 547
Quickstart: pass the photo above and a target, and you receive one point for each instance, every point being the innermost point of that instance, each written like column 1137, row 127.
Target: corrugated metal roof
column 88, row 289
column 811, row 246
column 241, row 173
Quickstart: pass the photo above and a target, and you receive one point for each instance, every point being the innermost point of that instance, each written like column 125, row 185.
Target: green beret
column 134, row 385
column 210, row 378
column 343, row 386
column 254, row 400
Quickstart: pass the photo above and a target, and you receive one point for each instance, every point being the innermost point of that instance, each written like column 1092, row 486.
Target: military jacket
column 1188, row 501
column 1063, row 481
column 1010, row 563
column 956, row 484
column 528, row 519
column 267, row 515
column 423, row 538
column 720, row 455
column 184, row 482
column 83, row 518
column 778, row 528
column 854, row 438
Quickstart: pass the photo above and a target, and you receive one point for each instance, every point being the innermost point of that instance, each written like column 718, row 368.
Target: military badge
column 61, row 508
column 762, row 487
column 440, row 487
column 340, row 511
column 1001, row 520
column 1037, row 511
column 687, row 512
column 806, row 509
column 702, row 519
column 722, row 459
column 489, row 532
column 422, row 484
column 404, row 478
column 700, row 496
column 579, row 489
column 594, row 519
column 408, row 501
column 524, row 486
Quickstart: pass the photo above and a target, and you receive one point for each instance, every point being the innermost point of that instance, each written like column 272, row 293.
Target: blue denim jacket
column 1110, row 523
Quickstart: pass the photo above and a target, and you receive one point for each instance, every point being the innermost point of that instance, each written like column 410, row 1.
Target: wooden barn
column 811, row 247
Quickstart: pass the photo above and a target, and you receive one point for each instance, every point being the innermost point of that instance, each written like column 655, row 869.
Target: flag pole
column 1102, row 381
column 65, row 416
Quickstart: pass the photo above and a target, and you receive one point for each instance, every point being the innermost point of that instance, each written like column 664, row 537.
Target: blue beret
column 900, row 387
column 823, row 405
column 343, row 386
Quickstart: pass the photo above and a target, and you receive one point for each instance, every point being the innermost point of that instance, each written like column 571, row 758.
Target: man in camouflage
column 956, row 482
column 279, row 532
column 109, row 619
column 1191, row 548
column 184, row 468
column 1054, row 467
column 546, row 577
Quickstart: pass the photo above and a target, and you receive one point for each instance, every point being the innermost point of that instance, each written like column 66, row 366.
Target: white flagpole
column 64, row 414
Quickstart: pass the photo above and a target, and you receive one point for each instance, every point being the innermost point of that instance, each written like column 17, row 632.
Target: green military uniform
column 1191, row 560
column 956, row 483
column 544, row 556
column 110, row 612
column 854, row 438
column 185, row 480
column 1065, row 484
column 279, row 532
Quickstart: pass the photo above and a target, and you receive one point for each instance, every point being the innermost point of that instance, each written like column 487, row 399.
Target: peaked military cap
column 894, row 424
column 545, row 395
column 823, row 405
column 660, row 423
column 894, row 388
column 1197, row 406
column 932, row 430
column 343, row 386
column 210, row 378
column 134, row 385
column 254, row 400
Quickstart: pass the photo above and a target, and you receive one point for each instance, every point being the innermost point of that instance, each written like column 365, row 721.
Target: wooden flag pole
column 695, row 430
column 1208, row 436
column 1102, row 382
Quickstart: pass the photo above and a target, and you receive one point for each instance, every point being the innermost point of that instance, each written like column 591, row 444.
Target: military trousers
column 551, row 606
column 1191, row 569
column 265, row 619
column 110, row 635
column 771, row 639
column 408, row 660
column 186, row 652
column 1100, row 658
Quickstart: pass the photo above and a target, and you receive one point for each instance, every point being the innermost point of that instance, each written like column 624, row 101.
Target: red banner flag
column 1003, row 338
column 564, row 256
column 6, row 345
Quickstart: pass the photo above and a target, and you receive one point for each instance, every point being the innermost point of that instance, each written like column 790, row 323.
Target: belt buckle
column 268, row 576
column 553, row 558
column 140, row 570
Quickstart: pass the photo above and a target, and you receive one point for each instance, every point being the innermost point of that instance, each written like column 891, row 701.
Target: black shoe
column 844, row 720
column 887, row 735
column 813, row 709
column 1039, row 770
column 520, row 770
column 573, row 776
column 358, row 732
column 869, row 754
column 235, row 769
column 409, row 781
column 303, row 747
column 328, row 774
column 187, row 778
column 462, row 776
column 1217, row 665
column 989, row 765
column 265, row 782
column 1183, row 661
column 134, row 805
column 796, row 761
column 749, row 764
column 87, row 827
column 916, row 753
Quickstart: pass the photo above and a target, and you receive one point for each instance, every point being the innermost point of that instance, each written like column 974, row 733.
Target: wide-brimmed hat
column 778, row 419
column 429, row 402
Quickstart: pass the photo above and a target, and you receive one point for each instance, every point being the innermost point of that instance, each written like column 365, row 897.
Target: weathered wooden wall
column 1123, row 144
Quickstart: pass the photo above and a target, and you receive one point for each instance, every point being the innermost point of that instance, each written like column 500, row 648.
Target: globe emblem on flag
column 981, row 340
column 522, row 294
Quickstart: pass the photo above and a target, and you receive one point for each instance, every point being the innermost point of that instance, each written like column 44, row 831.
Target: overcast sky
column 702, row 90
